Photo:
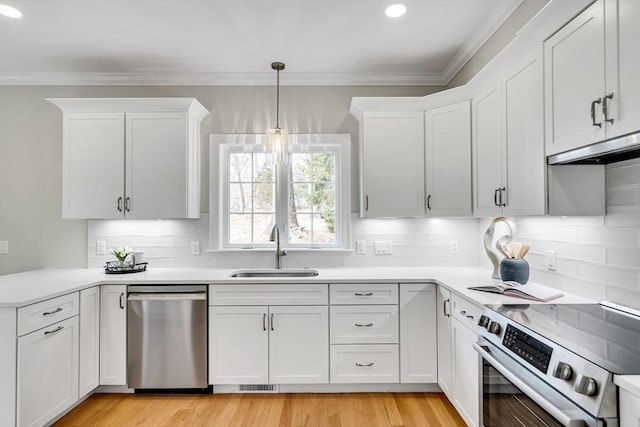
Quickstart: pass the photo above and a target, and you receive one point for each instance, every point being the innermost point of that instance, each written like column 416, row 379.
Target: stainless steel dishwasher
column 167, row 337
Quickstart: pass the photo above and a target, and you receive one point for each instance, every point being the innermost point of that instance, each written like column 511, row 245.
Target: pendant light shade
column 277, row 138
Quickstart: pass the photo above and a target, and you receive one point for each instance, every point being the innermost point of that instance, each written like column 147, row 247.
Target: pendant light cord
column 278, row 101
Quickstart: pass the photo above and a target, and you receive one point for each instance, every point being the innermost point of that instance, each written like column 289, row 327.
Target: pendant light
column 276, row 137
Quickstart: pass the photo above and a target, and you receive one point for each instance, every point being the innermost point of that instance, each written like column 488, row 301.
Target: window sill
column 290, row 250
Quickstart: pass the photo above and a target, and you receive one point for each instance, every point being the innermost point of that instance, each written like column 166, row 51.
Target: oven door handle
column 562, row 418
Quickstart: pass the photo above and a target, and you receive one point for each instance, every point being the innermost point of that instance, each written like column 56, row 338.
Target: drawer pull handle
column 57, row 310
column 59, row 328
column 469, row 316
column 364, row 294
column 364, row 364
column 364, row 325
column 463, row 312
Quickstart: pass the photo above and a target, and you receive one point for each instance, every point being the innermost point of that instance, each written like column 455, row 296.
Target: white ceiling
column 227, row 42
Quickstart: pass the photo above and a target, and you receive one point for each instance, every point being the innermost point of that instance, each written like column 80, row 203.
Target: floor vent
column 258, row 388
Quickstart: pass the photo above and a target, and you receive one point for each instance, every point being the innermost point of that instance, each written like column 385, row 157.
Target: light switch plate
column 101, row 247
column 195, row 247
column 4, row 246
column 383, row 247
column 361, row 247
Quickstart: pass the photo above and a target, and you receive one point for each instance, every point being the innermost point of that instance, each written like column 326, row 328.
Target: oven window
column 504, row 405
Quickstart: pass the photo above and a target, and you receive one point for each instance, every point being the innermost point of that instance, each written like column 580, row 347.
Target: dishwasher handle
column 190, row 296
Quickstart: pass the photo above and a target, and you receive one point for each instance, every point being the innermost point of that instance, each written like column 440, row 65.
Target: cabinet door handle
column 53, row 331
column 444, row 308
column 429, row 202
column 57, row 310
column 364, row 294
column 127, row 204
column 605, row 107
column 366, row 203
column 119, row 204
column 593, row 112
column 264, row 321
column 501, row 189
column 271, row 321
column 495, row 197
column 364, row 364
column 364, row 325
column 122, row 300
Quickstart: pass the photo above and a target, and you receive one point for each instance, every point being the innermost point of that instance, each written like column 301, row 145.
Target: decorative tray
column 115, row 267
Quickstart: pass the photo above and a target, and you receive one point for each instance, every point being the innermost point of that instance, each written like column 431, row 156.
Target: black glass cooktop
column 607, row 337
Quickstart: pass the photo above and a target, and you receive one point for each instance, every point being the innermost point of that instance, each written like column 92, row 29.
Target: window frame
column 223, row 144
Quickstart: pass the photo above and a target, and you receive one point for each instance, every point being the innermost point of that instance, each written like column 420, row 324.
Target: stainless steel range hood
column 605, row 152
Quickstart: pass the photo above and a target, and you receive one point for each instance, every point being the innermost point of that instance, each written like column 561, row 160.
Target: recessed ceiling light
column 9, row 11
column 395, row 10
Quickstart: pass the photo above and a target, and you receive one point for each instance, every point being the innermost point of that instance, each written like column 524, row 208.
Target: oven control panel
column 529, row 349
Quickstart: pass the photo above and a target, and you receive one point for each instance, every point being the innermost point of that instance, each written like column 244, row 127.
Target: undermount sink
column 275, row 273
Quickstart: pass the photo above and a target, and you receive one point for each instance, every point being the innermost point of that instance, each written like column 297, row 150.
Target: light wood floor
column 266, row 410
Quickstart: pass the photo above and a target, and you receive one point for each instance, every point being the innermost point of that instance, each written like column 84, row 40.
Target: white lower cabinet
column 47, row 380
column 89, row 373
column 443, row 311
column 268, row 344
column 113, row 335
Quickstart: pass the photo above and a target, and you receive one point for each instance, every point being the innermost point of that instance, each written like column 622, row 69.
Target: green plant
column 122, row 252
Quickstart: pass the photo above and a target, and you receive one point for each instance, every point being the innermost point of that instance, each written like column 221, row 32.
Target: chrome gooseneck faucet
column 275, row 237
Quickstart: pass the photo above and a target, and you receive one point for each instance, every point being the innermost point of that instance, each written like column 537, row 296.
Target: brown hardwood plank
column 265, row 410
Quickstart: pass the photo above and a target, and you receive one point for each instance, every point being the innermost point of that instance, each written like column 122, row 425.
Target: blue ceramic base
column 514, row 269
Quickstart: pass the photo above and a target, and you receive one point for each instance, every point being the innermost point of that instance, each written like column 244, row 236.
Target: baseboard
column 341, row 388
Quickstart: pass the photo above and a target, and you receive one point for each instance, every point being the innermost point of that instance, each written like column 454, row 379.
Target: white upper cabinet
column 135, row 158
column 508, row 146
column 448, row 160
column 392, row 164
column 592, row 91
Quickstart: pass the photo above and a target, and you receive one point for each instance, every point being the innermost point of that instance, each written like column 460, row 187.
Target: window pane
column 240, row 167
column 239, row 198
column 262, row 168
column 240, row 229
column 263, row 197
column 300, row 228
column 301, row 167
column 324, row 197
column 323, row 166
column 301, row 198
column 324, row 229
column 262, row 225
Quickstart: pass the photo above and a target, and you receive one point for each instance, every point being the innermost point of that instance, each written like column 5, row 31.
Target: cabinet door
column 156, row 165
column 113, row 335
column 487, row 152
column 466, row 371
column 443, row 310
column 418, row 350
column 448, row 160
column 623, row 63
column 574, row 79
column 93, row 165
column 525, row 160
column 47, row 372
column 89, row 374
column 392, row 164
column 238, row 345
column 298, row 345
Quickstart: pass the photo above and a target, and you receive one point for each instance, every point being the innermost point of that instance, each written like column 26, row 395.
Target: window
column 307, row 197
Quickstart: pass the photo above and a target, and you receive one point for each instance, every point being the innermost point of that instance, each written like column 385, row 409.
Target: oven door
column 514, row 396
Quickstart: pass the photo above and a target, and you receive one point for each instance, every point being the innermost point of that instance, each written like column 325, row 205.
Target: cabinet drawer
column 465, row 311
column 364, row 363
column 363, row 293
column 45, row 313
column 294, row 294
column 360, row 324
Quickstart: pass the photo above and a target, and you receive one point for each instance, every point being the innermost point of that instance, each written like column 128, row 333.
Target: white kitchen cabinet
column 132, row 158
column 89, row 371
column 418, row 334
column 392, row 164
column 443, row 311
column 466, row 371
column 592, row 92
column 268, row 344
column 508, row 147
column 47, row 379
column 448, row 160
column 113, row 335
column 364, row 364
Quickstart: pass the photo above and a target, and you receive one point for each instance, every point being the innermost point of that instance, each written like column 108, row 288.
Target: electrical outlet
column 101, row 247
column 361, row 248
column 195, row 247
column 454, row 247
column 553, row 314
column 4, row 246
column 383, row 247
column 551, row 260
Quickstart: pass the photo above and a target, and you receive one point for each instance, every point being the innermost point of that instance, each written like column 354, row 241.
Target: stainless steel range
column 553, row 365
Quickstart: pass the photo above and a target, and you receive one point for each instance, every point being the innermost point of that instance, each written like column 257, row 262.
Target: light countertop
column 20, row 289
